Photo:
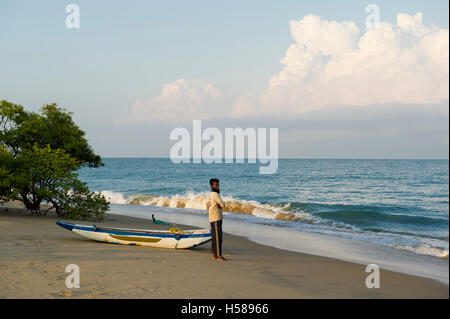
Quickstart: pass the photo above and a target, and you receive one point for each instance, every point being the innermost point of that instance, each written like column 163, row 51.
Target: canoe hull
column 137, row 237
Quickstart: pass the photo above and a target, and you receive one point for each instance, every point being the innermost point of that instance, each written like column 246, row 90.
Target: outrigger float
column 173, row 238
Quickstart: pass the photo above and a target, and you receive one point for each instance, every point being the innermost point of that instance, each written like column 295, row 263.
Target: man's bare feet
column 221, row 258
column 214, row 257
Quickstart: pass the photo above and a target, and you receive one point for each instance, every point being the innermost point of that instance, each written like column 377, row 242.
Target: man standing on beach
column 215, row 206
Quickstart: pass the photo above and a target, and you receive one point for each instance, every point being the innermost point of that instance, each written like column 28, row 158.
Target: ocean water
column 400, row 204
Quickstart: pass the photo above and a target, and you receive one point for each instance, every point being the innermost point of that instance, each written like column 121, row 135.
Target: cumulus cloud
column 178, row 101
column 333, row 63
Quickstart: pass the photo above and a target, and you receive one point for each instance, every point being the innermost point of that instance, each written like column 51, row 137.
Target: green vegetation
column 39, row 156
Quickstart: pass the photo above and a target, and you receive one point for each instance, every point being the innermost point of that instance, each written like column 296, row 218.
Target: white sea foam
column 114, row 197
column 424, row 250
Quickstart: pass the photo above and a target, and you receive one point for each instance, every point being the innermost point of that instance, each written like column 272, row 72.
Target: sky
column 333, row 87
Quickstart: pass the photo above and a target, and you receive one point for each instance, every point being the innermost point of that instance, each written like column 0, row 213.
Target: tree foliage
column 53, row 126
column 39, row 156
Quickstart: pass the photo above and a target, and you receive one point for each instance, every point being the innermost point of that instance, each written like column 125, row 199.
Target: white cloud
column 179, row 101
column 331, row 63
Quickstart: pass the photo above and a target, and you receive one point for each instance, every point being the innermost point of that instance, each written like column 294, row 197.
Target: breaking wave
column 339, row 218
column 198, row 201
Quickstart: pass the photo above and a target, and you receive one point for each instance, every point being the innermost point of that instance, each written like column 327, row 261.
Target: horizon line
column 290, row 158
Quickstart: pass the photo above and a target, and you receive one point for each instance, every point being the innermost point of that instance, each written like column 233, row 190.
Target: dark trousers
column 216, row 240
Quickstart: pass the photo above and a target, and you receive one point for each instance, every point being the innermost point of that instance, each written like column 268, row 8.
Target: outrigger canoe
column 173, row 238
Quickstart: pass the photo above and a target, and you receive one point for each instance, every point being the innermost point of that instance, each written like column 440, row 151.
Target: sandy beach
column 35, row 253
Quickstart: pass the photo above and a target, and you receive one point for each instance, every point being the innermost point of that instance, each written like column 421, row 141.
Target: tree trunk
column 30, row 205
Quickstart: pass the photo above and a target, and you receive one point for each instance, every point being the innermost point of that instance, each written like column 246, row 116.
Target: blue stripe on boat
column 65, row 225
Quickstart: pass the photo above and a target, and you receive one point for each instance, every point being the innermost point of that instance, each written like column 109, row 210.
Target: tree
column 20, row 129
column 5, row 175
column 39, row 156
